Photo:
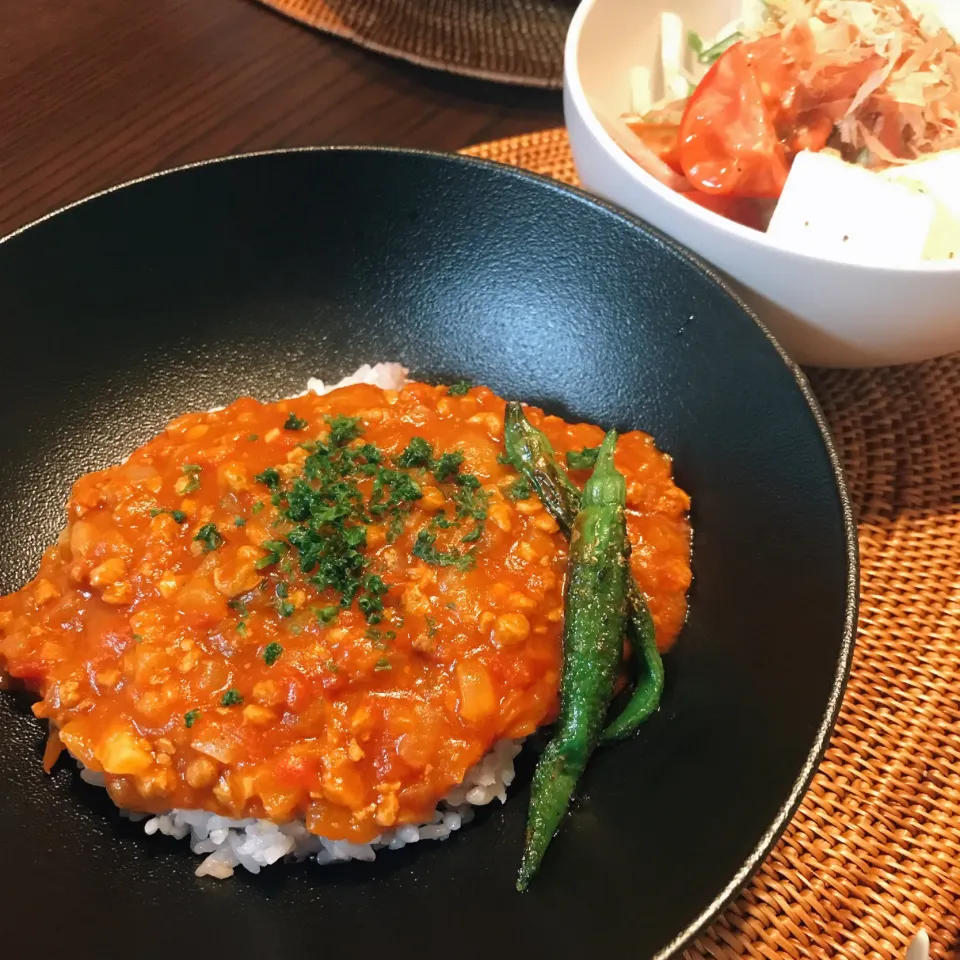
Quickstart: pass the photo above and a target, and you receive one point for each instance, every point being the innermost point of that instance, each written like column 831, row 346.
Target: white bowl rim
column 574, row 88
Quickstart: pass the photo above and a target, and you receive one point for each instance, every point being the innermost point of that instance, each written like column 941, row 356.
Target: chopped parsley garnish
column 446, row 466
column 192, row 472
column 239, row 521
column 519, row 490
column 137, row 638
column 231, row 698
column 585, row 459
column 431, row 627
column 471, row 503
column 332, row 666
column 284, row 607
column 322, row 516
column 397, row 524
column 459, row 388
column 370, row 453
column 293, row 422
column 269, row 478
column 238, row 605
column 343, row 429
column 257, row 507
column 275, row 550
column 425, row 550
column 178, row 515
column 403, row 489
column 272, row 653
column 383, row 664
column 417, row 454
column 190, row 718
column 326, row 615
column 371, row 601
column 503, row 459
column 253, row 436
column 242, row 628
column 210, row 537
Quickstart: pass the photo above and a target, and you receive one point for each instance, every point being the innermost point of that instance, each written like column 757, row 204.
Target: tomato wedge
column 728, row 141
column 776, row 62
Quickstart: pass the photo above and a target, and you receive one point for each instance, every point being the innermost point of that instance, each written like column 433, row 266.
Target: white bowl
column 823, row 312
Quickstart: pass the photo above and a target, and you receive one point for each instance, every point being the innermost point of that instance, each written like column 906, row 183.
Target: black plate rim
column 776, row 827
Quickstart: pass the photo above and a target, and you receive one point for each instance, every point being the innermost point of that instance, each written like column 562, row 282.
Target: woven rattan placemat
column 510, row 41
column 873, row 853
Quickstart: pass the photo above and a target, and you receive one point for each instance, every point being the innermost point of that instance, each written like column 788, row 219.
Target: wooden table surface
column 96, row 92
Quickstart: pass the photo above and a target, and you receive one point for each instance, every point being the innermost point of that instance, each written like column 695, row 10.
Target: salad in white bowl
column 833, row 125
column 809, row 150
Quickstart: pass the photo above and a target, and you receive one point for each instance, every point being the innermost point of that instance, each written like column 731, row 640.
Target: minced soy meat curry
column 328, row 607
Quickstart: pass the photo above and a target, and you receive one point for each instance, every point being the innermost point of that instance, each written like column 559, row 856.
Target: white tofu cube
column 939, row 178
column 839, row 210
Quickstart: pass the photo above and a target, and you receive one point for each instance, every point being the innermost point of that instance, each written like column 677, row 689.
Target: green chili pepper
column 649, row 685
column 595, row 608
column 530, row 452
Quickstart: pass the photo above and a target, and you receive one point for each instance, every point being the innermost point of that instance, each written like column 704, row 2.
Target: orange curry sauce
column 179, row 648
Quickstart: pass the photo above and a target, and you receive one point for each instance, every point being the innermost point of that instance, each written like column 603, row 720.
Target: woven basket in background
column 510, row 41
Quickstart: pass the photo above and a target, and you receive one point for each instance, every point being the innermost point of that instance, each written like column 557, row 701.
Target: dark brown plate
column 250, row 275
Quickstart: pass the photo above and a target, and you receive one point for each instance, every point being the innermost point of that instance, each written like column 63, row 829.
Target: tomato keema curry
column 326, row 608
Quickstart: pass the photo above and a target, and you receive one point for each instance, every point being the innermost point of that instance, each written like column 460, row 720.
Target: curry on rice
column 325, row 609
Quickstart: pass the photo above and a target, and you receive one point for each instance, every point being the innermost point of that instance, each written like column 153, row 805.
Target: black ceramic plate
column 248, row 276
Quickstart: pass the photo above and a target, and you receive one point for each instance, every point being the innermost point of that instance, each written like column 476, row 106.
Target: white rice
column 389, row 376
column 253, row 843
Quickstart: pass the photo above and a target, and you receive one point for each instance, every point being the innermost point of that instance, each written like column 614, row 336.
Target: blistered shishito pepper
column 648, row 687
column 594, row 614
column 530, row 452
